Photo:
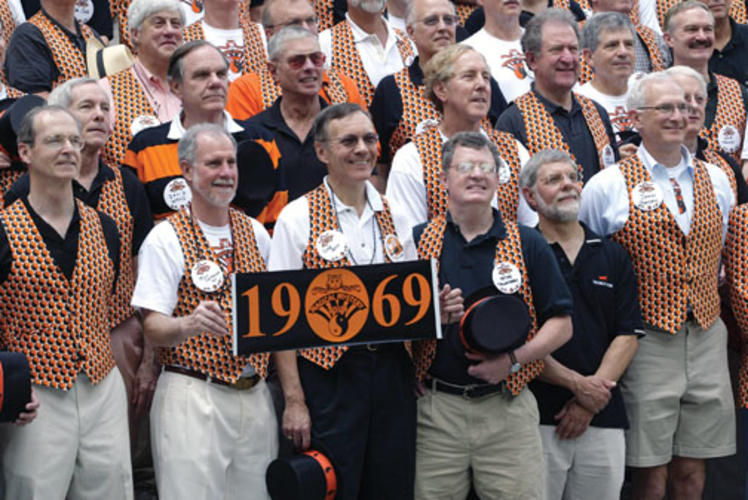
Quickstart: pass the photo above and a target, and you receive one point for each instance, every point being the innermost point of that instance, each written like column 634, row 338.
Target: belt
column 471, row 391
column 241, row 384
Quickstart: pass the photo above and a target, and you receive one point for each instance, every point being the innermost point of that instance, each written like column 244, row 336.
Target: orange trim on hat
column 331, row 479
column 462, row 321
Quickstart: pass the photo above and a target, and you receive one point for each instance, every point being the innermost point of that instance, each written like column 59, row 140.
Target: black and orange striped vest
column 509, row 250
column 416, row 109
column 61, row 325
column 674, row 270
column 736, row 270
column 345, row 57
column 429, row 145
column 715, row 159
column 332, row 90
column 130, row 101
column 730, row 112
column 542, row 132
column 70, row 61
column 254, row 57
column 207, row 353
column 322, row 218
column 737, row 11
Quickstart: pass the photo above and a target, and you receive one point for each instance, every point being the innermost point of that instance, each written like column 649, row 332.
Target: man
column 689, row 32
column 6, row 91
column 365, row 46
column 550, row 115
column 48, row 49
column 213, row 427
column 252, row 93
column 730, row 43
column 59, row 261
column 582, row 416
column 457, row 82
column 661, row 202
column 141, row 95
column 243, row 43
column 475, row 412
column 737, row 11
column 358, row 401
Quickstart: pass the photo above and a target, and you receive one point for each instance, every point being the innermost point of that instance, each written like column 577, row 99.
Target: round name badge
column 647, row 196
column 143, row 122
column 505, row 173
column 506, row 278
column 393, row 248
column 728, row 139
column 207, row 275
column 177, row 193
column 609, row 157
column 84, row 10
column 331, row 245
column 425, row 125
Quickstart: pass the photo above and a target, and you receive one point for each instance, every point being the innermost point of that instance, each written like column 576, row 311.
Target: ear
column 320, row 148
column 668, row 39
column 443, row 178
column 440, row 90
column 587, row 56
column 134, row 37
column 24, row 152
column 634, row 118
column 273, row 69
column 187, row 171
column 531, row 60
column 176, row 88
column 529, row 195
column 409, row 29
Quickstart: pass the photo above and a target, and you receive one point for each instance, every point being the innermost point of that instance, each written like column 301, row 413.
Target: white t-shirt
column 231, row 43
column 615, row 105
column 193, row 11
column 507, row 63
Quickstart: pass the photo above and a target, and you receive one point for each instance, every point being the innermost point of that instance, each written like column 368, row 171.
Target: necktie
column 678, row 196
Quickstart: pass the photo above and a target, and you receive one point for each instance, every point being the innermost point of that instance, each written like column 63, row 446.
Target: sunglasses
column 297, row 61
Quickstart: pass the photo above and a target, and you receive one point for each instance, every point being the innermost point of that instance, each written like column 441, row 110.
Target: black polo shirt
column 573, row 129
column 468, row 266
column 64, row 251
column 387, row 107
column 101, row 19
column 712, row 98
column 137, row 201
column 732, row 60
column 603, row 284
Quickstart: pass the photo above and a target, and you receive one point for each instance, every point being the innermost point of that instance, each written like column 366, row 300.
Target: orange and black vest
column 333, row 90
column 429, row 145
column 542, row 132
column 464, row 10
column 674, row 270
column 346, row 58
column 7, row 177
column 325, row 12
column 737, row 11
column 322, row 218
column 736, row 270
column 70, row 61
column 508, row 249
column 207, row 353
column 118, row 9
column 715, row 159
column 416, row 109
column 130, row 102
column 9, row 23
column 730, row 111
column 254, row 56
column 61, row 325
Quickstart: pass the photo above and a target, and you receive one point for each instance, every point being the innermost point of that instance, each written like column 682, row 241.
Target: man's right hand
column 450, row 305
column 593, row 392
column 297, row 425
column 206, row 317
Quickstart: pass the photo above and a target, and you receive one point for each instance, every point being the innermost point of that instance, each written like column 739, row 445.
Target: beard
column 555, row 213
column 370, row 6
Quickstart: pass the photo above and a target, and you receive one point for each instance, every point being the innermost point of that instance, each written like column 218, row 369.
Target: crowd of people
column 577, row 168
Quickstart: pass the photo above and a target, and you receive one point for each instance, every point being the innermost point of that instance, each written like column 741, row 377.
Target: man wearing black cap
column 475, row 412
column 582, row 417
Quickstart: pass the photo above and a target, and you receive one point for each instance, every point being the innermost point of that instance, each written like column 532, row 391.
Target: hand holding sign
column 206, row 317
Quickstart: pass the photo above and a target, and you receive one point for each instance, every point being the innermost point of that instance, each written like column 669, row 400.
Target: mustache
column 700, row 43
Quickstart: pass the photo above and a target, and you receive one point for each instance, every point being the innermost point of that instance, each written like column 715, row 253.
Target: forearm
column 288, row 373
column 618, row 356
column 558, row 374
column 554, row 333
column 162, row 330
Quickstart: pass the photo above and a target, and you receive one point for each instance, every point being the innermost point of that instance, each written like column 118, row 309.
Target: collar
column 711, row 85
column 737, row 36
column 54, row 21
column 375, row 199
column 274, row 118
column 590, row 237
column 25, row 200
column 552, row 107
column 654, row 167
column 143, row 74
column 176, row 130
column 497, row 230
column 359, row 35
column 416, row 73
column 105, row 174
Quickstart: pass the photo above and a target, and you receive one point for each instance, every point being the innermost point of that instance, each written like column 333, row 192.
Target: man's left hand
column 491, row 369
column 573, row 420
column 144, row 384
column 30, row 411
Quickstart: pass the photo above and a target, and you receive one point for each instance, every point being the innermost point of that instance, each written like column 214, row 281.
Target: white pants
column 77, row 447
column 209, row 441
column 589, row 467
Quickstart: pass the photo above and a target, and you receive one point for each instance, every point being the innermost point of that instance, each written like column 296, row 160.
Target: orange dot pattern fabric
column 715, row 159
column 255, row 56
column 508, row 249
column 345, row 57
column 322, row 218
column 464, row 10
column 542, row 132
column 730, row 112
column 429, row 145
column 130, row 101
column 7, row 178
column 70, row 61
column 736, row 273
column 9, row 23
column 416, row 109
column 674, row 270
column 324, row 9
column 61, row 325
column 207, row 353
column 118, row 9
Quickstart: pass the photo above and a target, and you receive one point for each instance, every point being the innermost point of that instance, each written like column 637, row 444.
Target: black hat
column 15, row 385
column 11, row 120
column 309, row 475
column 494, row 322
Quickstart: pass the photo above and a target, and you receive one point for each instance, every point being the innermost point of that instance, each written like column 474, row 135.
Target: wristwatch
column 515, row 364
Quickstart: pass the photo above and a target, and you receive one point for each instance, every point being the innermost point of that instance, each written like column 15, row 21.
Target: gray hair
column 682, row 7
column 439, row 69
column 140, row 10
column 605, row 21
column 689, row 72
column 187, row 147
column 62, row 95
column 528, row 176
column 472, row 140
column 27, row 131
column 175, row 73
column 287, row 34
column 410, row 12
column 637, row 95
column 532, row 39
column 334, row 112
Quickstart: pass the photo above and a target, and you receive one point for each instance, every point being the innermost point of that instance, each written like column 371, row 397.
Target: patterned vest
column 130, row 102
column 332, row 90
column 736, row 267
column 542, row 132
column 9, row 23
column 325, row 11
column 508, row 249
column 254, row 56
column 463, row 11
column 118, row 9
column 715, row 159
column 674, row 270
column 208, row 353
column 737, row 11
column 416, row 109
column 61, row 325
column 429, row 145
column 345, row 57
column 322, row 218
column 70, row 61
column 730, row 111
column 7, row 178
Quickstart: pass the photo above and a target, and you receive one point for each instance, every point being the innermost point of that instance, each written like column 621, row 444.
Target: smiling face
column 159, row 35
column 204, row 82
column 468, row 91
column 349, row 163
column 691, row 37
column 696, row 99
column 213, row 177
column 557, row 192
column 657, row 128
column 90, row 106
column 475, row 187
column 304, row 80
column 53, row 156
column 430, row 39
column 614, row 55
column 557, row 64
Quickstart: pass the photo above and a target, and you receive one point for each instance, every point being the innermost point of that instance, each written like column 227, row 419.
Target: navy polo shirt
column 606, row 305
column 468, row 266
column 712, row 98
column 573, row 129
column 732, row 60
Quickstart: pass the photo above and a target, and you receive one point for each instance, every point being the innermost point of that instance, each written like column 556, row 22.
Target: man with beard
column 582, row 416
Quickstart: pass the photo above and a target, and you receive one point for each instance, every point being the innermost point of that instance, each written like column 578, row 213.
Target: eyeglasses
column 349, row 141
column 296, row 22
column 58, row 141
column 297, row 61
column 447, row 19
column 556, row 179
column 668, row 108
column 467, row 167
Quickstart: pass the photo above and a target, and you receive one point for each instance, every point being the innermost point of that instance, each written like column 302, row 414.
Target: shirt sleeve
column 405, row 185
column 723, row 192
column 511, row 121
column 605, row 202
column 29, row 65
column 628, row 315
column 525, row 215
column 6, row 256
column 290, row 237
column 262, row 237
column 160, row 268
